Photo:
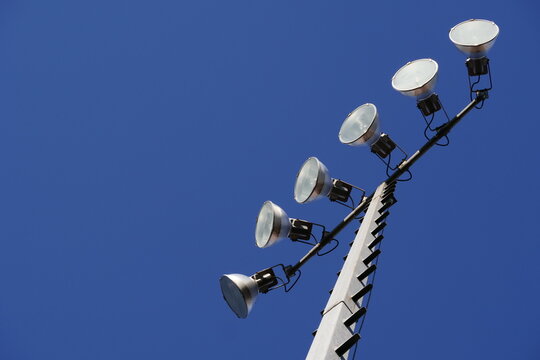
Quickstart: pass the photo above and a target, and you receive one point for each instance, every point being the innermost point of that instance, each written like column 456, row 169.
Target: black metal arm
column 404, row 167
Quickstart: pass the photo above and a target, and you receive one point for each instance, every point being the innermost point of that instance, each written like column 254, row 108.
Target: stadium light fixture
column 240, row 291
column 273, row 225
column 361, row 127
column 474, row 38
column 418, row 78
column 313, row 182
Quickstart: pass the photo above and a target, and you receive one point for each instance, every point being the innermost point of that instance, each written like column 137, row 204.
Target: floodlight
column 313, row 182
column 273, row 224
column 240, row 291
column 361, row 126
column 474, row 37
column 416, row 78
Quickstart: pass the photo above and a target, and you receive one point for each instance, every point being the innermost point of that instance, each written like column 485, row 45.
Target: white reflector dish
column 416, row 78
column 272, row 225
column 312, row 181
column 474, row 37
column 360, row 126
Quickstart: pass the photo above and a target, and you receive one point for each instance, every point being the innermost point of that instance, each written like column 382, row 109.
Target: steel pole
column 335, row 335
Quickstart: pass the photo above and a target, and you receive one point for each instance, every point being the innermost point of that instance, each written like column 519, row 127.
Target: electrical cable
column 428, row 126
column 388, row 165
column 329, row 251
column 473, row 91
column 344, row 204
column 352, row 201
column 471, row 86
column 294, row 283
column 307, row 242
column 408, row 179
column 447, row 141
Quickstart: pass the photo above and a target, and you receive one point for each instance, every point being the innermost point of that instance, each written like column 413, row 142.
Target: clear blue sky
column 138, row 140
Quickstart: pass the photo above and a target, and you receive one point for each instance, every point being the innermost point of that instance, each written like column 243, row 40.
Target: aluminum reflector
column 272, row 225
column 416, row 78
column 313, row 181
column 361, row 126
column 240, row 292
column 474, row 37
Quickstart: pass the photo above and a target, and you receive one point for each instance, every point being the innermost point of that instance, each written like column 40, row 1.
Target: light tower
column 338, row 330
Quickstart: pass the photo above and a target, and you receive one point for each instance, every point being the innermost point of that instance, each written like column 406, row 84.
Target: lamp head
column 313, row 181
column 240, row 292
column 272, row 225
column 361, row 126
column 474, row 37
column 416, row 78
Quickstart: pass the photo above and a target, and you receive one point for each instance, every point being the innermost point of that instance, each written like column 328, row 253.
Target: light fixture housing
column 361, row 126
column 429, row 105
column 313, row 182
column 477, row 66
column 383, row 146
column 273, row 225
column 416, row 78
column 240, row 291
column 474, row 37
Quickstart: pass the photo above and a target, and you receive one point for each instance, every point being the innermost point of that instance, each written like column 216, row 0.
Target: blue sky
column 139, row 139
